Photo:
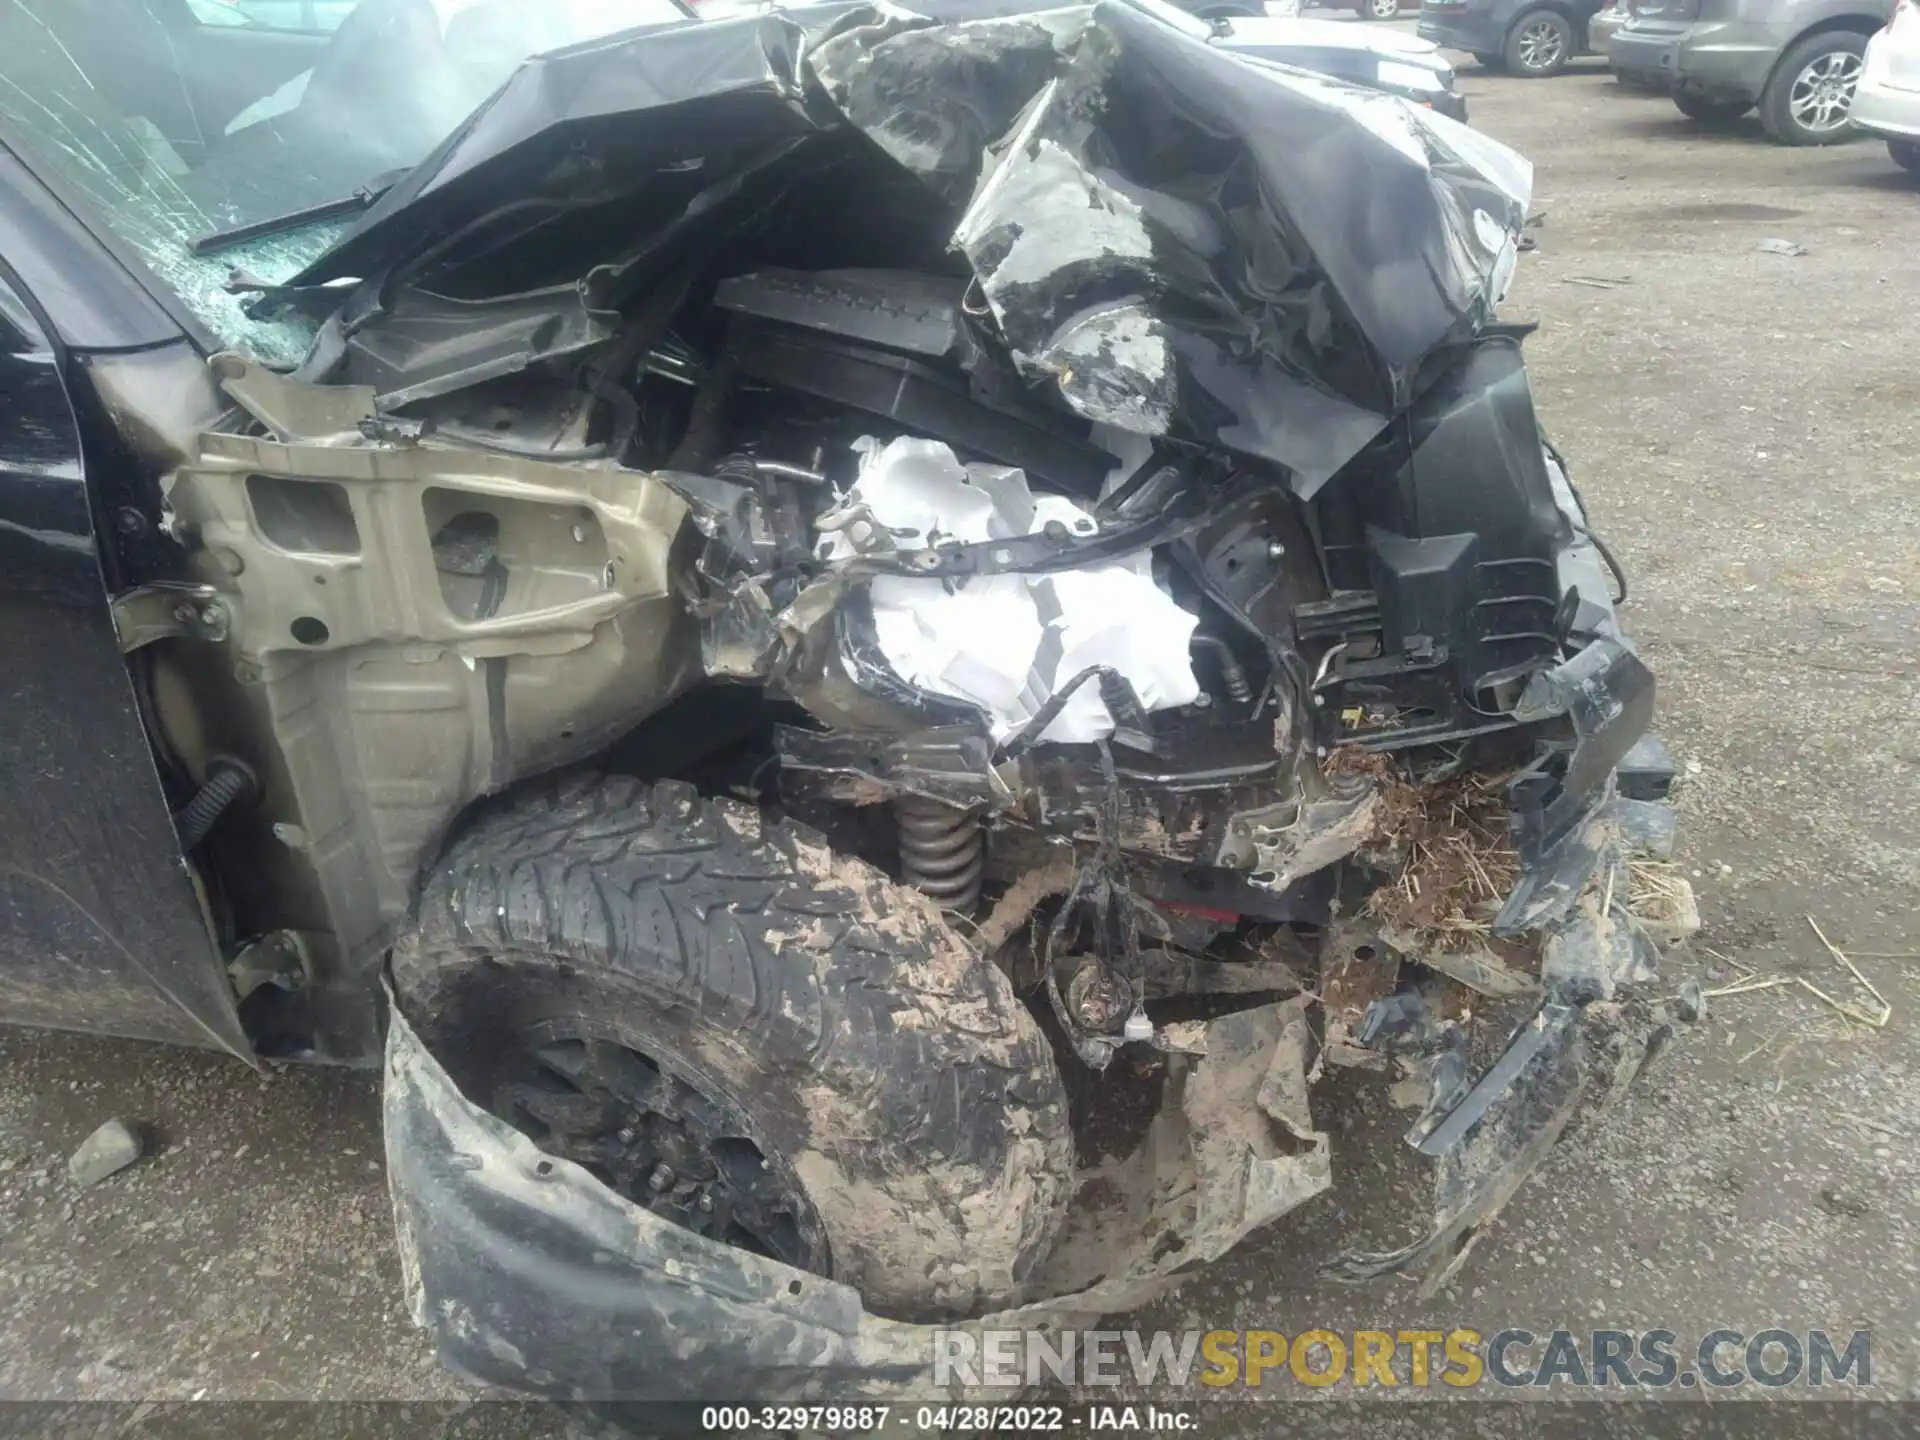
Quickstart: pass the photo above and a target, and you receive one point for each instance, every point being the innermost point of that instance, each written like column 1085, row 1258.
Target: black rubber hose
column 1612, row 564
column 1233, row 675
column 1116, row 693
column 227, row 782
column 1585, row 527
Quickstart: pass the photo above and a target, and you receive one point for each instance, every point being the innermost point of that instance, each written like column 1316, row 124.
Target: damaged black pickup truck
column 856, row 647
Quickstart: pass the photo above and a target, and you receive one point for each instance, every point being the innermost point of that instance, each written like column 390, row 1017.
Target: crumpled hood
column 1181, row 244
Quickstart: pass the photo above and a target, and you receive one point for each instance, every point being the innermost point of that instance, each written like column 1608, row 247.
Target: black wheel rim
column 660, row 1133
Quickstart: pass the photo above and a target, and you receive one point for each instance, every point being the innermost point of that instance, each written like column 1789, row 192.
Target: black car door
column 100, row 925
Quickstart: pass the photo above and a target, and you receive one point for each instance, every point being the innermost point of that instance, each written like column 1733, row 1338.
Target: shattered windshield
column 176, row 119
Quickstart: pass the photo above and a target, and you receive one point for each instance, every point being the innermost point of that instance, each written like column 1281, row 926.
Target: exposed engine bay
column 1020, row 450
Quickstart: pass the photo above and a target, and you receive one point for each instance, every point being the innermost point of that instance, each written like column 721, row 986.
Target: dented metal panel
column 413, row 626
column 529, row 1273
column 1259, row 302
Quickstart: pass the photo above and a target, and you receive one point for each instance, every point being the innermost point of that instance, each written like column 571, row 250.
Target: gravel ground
column 1743, row 426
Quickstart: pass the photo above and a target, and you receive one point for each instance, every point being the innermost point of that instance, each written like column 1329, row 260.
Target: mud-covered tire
column 889, row 1065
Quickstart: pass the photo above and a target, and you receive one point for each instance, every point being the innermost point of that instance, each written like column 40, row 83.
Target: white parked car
column 1887, row 100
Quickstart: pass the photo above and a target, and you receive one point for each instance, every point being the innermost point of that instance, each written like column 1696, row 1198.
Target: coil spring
column 943, row 851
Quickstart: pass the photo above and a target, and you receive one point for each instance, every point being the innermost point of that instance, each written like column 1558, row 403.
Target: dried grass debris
column 1450, row 846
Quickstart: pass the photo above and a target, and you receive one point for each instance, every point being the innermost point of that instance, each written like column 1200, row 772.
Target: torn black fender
column 529, row 1273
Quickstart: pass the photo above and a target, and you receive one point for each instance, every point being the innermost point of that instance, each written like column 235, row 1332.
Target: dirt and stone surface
column 1745, row 427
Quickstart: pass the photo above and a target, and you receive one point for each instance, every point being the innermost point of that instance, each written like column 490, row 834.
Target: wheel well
column 1868, row 25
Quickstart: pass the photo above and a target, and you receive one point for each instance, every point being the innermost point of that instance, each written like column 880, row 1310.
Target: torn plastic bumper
column 1581, row 814
column 529, row 1273
column 1487, row 1138
column 1597, row 1021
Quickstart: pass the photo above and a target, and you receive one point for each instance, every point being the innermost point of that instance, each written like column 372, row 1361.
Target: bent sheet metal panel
column 100, row 928
column 530, row 1273
column 1189, row 244
column 1180, row 241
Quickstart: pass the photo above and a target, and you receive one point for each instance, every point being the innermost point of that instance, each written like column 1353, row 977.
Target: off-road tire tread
column 841, row 978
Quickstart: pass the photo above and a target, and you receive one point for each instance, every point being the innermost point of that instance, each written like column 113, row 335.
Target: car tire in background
column 1806, row 101
column 1377, row 9
column 1709, row 112
column 1539, row 44
column 1906, row 154
column 753, row 1037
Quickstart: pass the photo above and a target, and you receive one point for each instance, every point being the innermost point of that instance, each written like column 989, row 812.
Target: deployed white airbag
column 1007, row 642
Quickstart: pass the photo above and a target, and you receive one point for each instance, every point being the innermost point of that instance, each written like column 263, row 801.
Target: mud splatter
column 1016, row 905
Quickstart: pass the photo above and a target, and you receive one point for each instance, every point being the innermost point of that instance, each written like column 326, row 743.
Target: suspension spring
column 943, row 851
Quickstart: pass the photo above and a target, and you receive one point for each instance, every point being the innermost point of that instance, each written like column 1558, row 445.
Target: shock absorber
column 943, row 851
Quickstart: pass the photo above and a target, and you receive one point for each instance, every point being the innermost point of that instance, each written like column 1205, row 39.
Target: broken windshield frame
column 194, row 148
column 343, row 208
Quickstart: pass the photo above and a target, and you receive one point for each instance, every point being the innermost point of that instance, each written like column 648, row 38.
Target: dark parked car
column 1529, row 38
column 1230, row 9
column 1365, row 9
column 743, row 608
column 1376, row 59
column 1796, row 61
column 1373, row 57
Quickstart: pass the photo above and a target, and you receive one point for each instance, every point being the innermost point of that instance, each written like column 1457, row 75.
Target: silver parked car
column 1795, row 61
column 1601, row 27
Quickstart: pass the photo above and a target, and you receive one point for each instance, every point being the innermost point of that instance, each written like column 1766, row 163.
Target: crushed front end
column 1200, row 742
column 1115, row 522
